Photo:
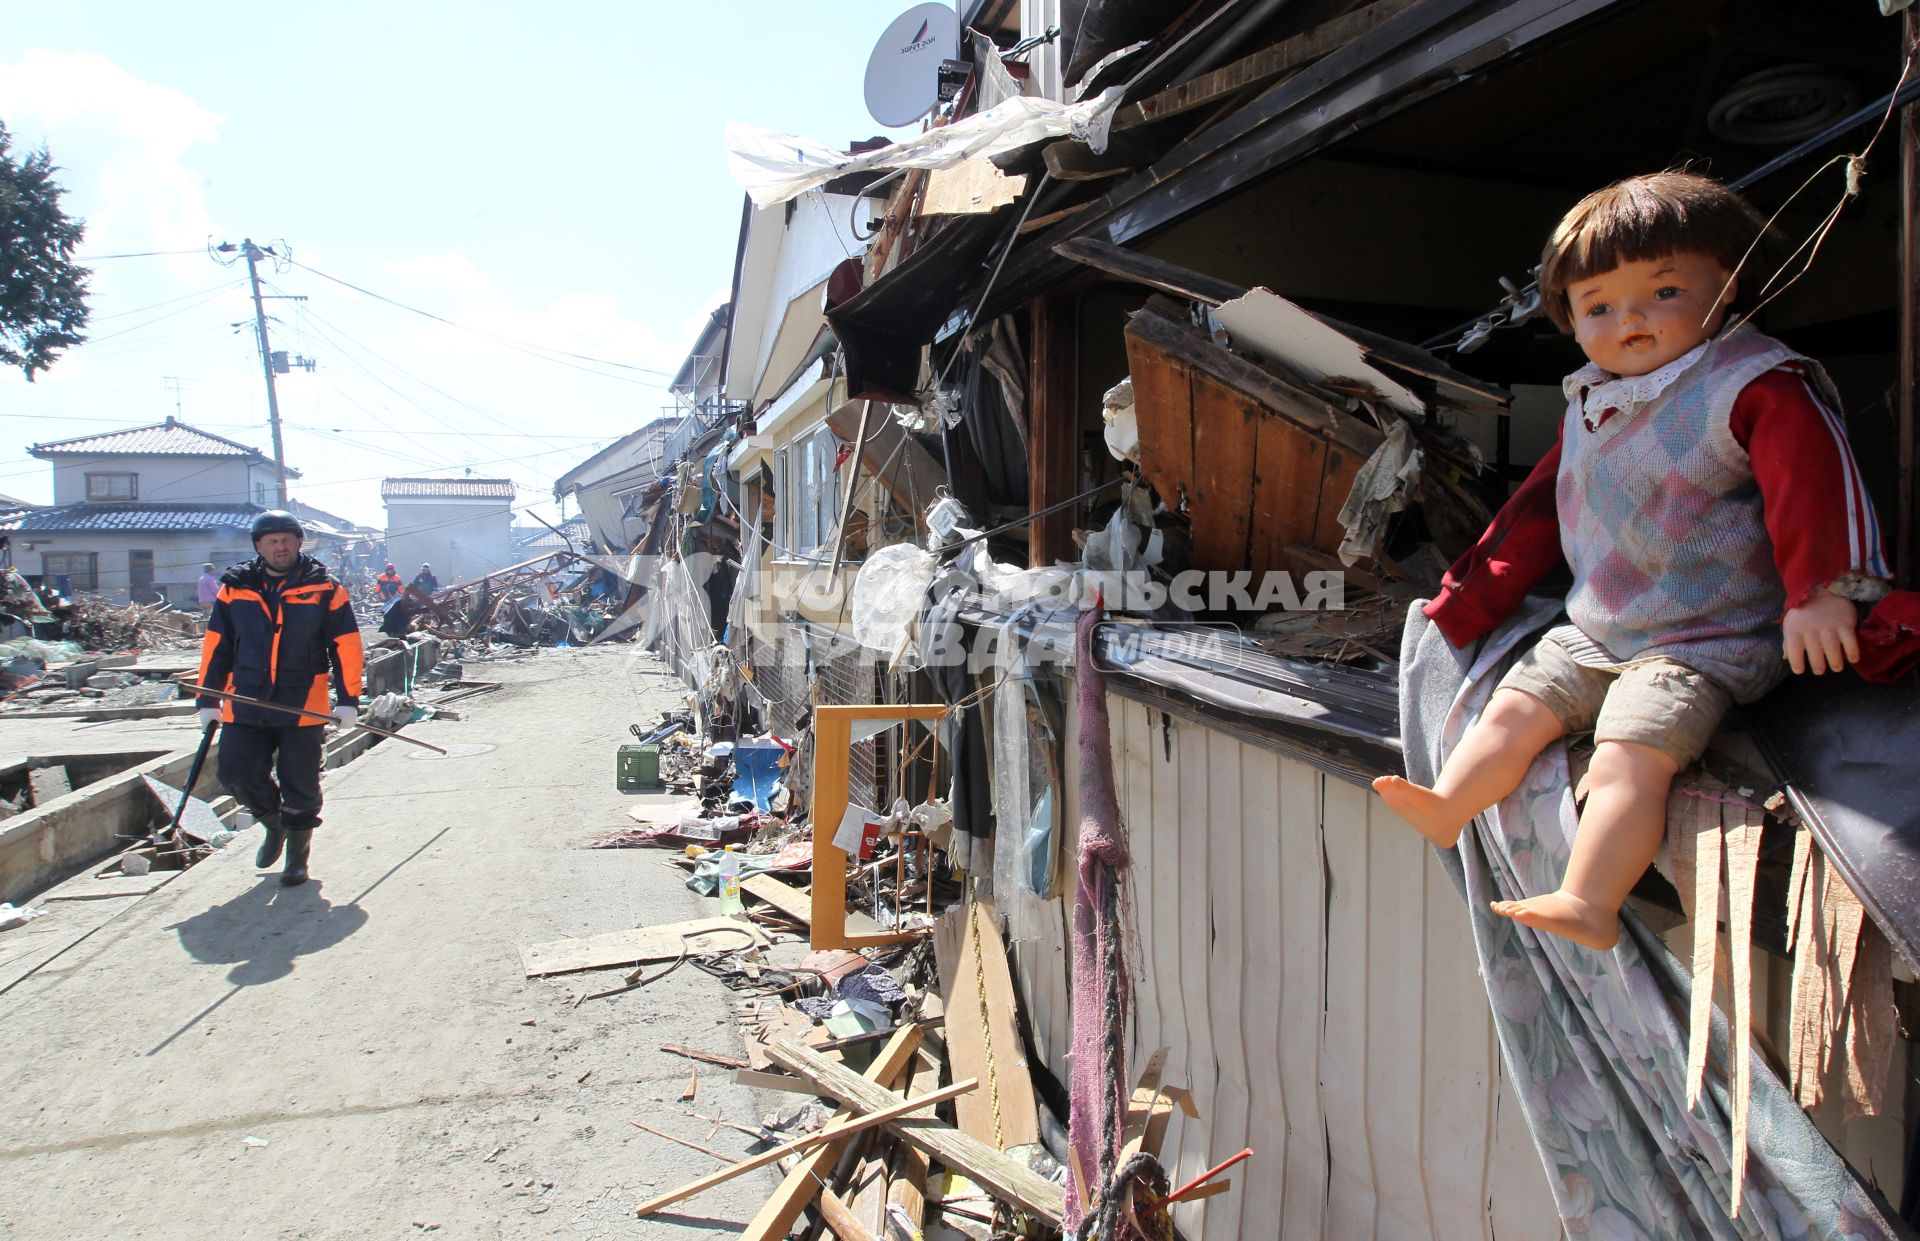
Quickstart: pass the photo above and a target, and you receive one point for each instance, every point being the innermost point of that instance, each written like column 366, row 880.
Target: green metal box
column 637, row 768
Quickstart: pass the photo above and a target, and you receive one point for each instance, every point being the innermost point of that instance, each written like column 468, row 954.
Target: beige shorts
column 1653, row 702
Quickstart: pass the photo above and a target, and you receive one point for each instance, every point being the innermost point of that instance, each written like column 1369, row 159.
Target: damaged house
column 1259, row 305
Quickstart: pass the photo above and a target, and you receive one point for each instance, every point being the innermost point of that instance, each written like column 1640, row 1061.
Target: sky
column 553, row 182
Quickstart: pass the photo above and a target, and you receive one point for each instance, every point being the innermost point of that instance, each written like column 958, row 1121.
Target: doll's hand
column 1819, row 635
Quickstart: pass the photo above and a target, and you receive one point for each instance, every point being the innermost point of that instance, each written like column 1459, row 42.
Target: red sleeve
column 1486, row 585
column 1817, row 512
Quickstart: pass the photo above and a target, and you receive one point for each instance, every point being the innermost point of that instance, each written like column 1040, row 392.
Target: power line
column 544, row 352
column 139, row 254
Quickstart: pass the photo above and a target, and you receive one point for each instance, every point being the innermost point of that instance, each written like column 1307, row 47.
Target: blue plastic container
column 756, row 768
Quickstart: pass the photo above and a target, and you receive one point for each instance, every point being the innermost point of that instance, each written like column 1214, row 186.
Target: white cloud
column 121, row 143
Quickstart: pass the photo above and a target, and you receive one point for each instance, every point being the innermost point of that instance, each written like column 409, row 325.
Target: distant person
column 425, row 580
column 209, row 590
column 389, row 584
column 278, row 625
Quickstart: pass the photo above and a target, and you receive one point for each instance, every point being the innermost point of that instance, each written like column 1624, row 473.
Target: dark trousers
column 248, row 755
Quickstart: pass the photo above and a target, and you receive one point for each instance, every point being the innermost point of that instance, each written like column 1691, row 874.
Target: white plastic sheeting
column 678, row 626
column 888, row 593
column 775, row 167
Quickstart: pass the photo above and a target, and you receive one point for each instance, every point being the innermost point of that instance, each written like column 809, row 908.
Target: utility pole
column 253, row 254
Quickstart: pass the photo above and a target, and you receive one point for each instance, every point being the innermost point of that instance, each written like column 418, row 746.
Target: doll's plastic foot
column 1565, row 915
column 1432, row 815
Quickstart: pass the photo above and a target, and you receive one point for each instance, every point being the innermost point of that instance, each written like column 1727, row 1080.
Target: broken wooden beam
column 1002, row 1175
column 775, row 1217
column 900, row 1107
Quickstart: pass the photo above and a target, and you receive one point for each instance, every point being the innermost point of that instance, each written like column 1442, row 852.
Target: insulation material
column 1265, row 325
column 775, row 167
column 1713, row 854
column 1842, row 989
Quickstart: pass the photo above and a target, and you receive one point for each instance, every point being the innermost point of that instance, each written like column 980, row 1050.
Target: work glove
column 209, row 715
column 347, row 715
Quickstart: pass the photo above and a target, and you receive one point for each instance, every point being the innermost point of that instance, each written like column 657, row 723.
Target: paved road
column 361, row 1057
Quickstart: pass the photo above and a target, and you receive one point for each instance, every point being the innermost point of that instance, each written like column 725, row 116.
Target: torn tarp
column 775, row 167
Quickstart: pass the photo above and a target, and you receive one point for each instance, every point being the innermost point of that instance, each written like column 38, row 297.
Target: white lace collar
column 1592, row 387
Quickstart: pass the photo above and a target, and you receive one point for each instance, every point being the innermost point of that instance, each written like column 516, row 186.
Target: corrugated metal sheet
column 1309, row 966
column 162, row 439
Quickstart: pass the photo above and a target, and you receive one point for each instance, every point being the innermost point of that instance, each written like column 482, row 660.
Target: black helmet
column 276, row 521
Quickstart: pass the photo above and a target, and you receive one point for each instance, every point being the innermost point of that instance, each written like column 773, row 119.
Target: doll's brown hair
column 1646, row 217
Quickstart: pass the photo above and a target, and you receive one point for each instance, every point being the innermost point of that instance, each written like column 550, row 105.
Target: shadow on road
column 262, row 930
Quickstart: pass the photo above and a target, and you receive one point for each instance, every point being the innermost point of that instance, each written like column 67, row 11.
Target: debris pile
column 101, row 626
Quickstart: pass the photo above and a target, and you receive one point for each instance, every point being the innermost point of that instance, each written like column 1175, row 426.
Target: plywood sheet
column 637, row 946
column 983, row 1035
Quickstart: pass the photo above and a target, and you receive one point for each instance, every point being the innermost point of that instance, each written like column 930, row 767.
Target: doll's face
column 1644, row 314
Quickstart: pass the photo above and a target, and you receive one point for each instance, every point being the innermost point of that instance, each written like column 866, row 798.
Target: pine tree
column 43, row 292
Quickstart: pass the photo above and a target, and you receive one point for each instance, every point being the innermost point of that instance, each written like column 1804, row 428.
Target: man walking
column 425, row 580
column 279, row 624
column 388, row 583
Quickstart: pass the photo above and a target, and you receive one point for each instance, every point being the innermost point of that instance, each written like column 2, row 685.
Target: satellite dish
column 903, row 74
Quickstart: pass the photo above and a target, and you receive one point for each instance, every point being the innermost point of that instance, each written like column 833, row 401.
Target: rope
column 1114, row 1218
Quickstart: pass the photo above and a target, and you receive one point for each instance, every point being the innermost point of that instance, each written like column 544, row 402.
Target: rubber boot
column 299, row 842
column 270, row 845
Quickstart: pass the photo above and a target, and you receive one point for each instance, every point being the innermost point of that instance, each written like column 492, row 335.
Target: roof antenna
column 174, row 383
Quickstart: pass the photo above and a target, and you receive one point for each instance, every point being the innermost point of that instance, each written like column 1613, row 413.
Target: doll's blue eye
column 1597, row 309
column 1671, row 291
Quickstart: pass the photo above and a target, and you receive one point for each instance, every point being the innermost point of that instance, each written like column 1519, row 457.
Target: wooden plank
column 1303, row 997
column 1399, row 1048
column 637, row 946
column 1000, row 1174
column 1161, row 869
column 1133, row 780
column 1351, row 1181
column 786, row 898
column 776, row 1216
column 1457, row 1093
column 873, row 1119
column 1340, row 468
column 1287, row 467
column 1261, row 895
column 1226, row 424
column 1227, row 1106
column 975, row 187
column 986, row 1044
column 1198, row 1067
column 843, row 1218
column 1053, row 430
column 1163, row 409
column 907, row 1173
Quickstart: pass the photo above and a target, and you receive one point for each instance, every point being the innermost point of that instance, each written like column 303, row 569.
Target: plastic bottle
column 730, row 883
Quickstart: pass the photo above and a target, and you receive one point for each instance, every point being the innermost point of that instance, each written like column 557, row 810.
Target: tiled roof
column 446, row 489
column 540, row 539
column 71, row 518
column 162, row 439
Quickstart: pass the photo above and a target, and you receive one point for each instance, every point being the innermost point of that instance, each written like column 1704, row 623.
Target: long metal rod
column 193, row 778
column 307, row 715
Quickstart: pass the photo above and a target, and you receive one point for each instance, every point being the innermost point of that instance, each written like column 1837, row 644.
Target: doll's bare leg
column 1488, row 764
column 1620, row 832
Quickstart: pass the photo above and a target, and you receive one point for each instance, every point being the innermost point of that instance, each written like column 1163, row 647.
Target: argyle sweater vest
column 1662, row 525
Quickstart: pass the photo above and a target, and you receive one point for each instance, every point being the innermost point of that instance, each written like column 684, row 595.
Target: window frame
column 51, row 575
column 133, row 486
